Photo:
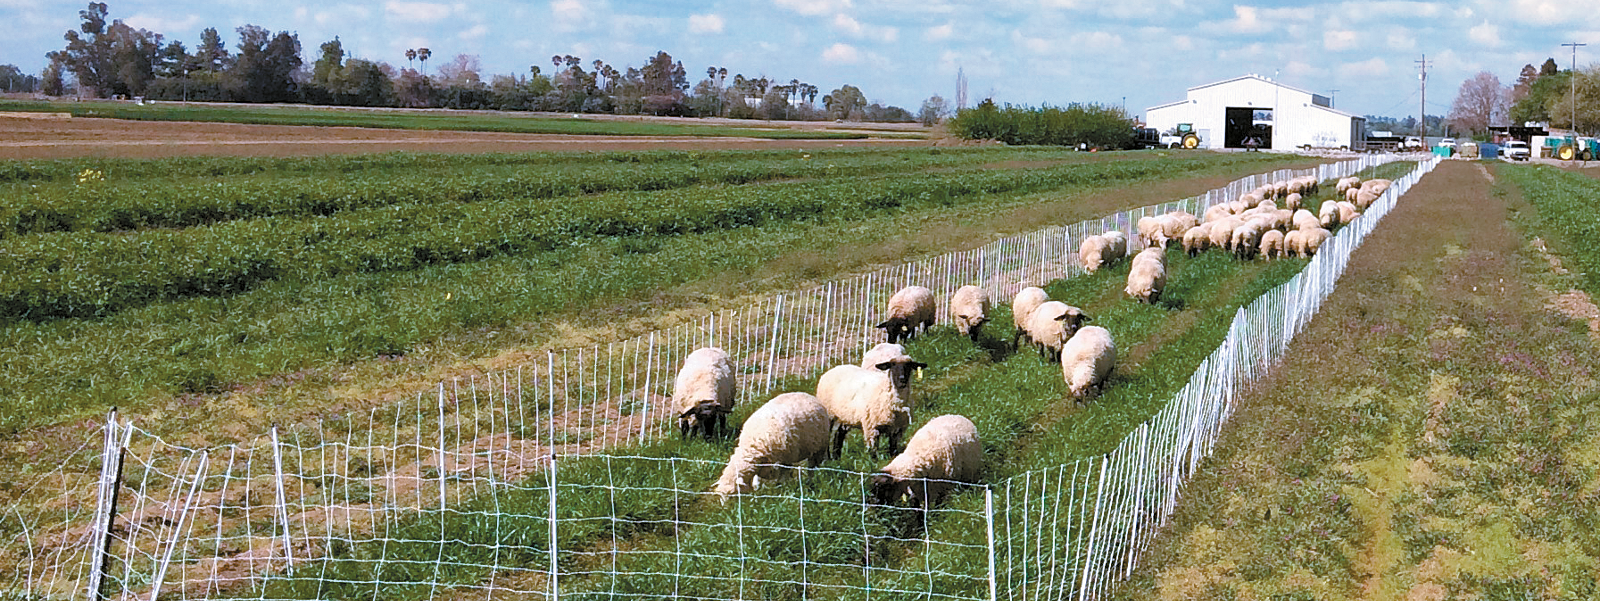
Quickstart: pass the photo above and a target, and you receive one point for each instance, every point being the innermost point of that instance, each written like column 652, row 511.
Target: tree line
column 113, row 59
column 1546, row 94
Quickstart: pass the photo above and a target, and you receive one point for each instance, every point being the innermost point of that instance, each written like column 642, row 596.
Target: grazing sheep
column 788, row 429
column 1153, row 230
column 969, row 310
column 1294, row 243
column 1094, row 252
column 942, row 453
column 1087, row 360
column 1376, row 186
column 704, row 391
column 910, row 310
column 1365, row 198
column 1197, row 239
column 1272, row 244
column 1246, row 239
column 1351, row 195
column 1347, row 183
column 1314, row 240
column 1148, row 276
column 1292, row 202
column 893, row 360
column 1051, row 325
column 1348, row 212
column 1118, row 244
column 1221, row 232
column 1218, row 212
column 1022, row 306
column 864, row 398
column 1178, row 222
column 1305, row 220
column 1328, row 217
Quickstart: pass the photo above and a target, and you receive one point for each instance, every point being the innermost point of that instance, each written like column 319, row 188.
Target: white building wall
column 1296, row 120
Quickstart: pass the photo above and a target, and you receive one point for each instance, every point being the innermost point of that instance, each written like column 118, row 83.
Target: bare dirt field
column 22, row 138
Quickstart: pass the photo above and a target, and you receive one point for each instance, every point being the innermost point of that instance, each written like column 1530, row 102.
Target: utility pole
column 1332, row 96
column 1422, row 113
column 1573, row 77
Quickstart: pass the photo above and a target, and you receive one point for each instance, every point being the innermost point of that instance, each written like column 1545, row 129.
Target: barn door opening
column 1248, row 128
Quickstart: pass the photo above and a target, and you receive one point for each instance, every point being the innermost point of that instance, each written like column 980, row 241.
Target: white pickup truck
column 1515, row 150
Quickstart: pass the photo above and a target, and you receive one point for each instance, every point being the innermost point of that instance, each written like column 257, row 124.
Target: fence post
column 105, row 504
column 1094, row 526
column 283, row 506
column 988, row 512
column 772, row 346
column 177, row 531
column 555, row 584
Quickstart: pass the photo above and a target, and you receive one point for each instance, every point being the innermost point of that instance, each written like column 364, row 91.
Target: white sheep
column 1348, row 212
column 1328, row 216
column 1153, row 230
column 1148, row 276
column 1247, row 238
column 1050, row 325
column 1118, row 244
column 1294, row 243
column 788, row 429
column 1087, row 360
column 942, row 454
column 1197, row 239
column 910, row 310
column 1176, row 223
column 1305, row 220
column 1022, row 306
column 1292, row 202
column 1314, row 239
column 864, row 398
column 893, row 360
column 1272, row 244
column 704, row 392
column 1217, row 211
column 969, row 310
column 1094, row 252
column 1365, row 198
column 1221, row 232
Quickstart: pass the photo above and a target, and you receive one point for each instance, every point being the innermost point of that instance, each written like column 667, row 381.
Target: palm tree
column 422, row 55
column 411, row 55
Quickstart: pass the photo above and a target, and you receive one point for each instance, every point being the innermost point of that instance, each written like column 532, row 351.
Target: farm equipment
column 1183, row 136
column 1573, row 148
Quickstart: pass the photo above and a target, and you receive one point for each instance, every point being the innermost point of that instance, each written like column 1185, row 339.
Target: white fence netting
column 453, row 492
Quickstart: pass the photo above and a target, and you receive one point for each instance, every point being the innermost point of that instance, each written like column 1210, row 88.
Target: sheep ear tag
column 919, row 373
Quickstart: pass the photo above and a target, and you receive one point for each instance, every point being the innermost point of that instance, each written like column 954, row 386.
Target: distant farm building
column 1255, row 112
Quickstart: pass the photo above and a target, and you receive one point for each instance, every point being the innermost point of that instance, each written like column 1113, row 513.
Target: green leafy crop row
column 93, row 274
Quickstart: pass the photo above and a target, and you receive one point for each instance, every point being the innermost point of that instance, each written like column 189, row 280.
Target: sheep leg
column 838, row 440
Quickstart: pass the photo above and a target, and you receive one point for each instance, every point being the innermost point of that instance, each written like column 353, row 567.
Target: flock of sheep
column 874, row 396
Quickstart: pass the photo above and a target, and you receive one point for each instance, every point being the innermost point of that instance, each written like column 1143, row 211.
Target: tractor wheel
column 1588, row 155
column 1191, row 141
column 1566, row 152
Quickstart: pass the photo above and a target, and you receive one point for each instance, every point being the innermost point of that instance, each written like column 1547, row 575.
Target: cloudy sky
column 1142, row 52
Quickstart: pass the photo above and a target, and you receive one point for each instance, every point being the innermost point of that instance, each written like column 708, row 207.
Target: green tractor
column 1572, row 148
column 1182, row 136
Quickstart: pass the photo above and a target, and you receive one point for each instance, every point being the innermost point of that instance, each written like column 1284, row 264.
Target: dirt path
column 118, row 138
column 1431, row 437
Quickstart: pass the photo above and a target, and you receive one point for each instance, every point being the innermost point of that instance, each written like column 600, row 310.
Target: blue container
column 1488, row 151
column 1444, row 151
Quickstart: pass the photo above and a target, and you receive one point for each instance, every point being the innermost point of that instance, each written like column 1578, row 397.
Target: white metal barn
column 1255, row 111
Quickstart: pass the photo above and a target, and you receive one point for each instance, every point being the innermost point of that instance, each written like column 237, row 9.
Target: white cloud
column 1300, row 69
column 1553, row 12
column 1485, row 33
column 1031, row 44
column 939, row 33
column 1401, row 40
column 1373, row 68
column 423, row 12
column 842, row 53
column 705, row 24
column 848, row 25
column 569, row 14
column 164, row 26
column 1097, row 41
column 474, row 33
column 1338, row 39
column 814, row 8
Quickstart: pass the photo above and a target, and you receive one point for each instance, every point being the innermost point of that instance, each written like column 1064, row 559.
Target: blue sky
column 902, row 51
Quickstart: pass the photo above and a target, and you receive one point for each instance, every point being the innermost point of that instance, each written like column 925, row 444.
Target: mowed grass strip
column 60, row 369
column 416, row 120
column 1431, row 434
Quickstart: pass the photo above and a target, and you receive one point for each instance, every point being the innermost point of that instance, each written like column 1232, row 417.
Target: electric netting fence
column 536, row 481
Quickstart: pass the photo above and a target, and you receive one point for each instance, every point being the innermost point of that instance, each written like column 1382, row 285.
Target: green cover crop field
column 128, row 282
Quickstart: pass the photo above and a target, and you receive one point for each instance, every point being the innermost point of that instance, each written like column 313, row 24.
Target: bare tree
column 462, row 71
column 1480, row 103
